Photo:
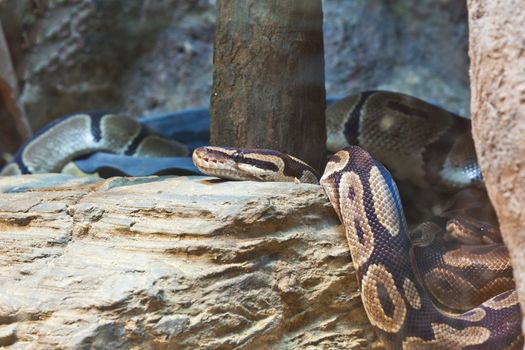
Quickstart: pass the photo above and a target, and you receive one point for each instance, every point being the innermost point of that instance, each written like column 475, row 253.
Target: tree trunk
column 497, row 38
column 268, row 80
column 14, row 128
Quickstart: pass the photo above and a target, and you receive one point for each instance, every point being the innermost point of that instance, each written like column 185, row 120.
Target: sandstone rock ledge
column 174, row 263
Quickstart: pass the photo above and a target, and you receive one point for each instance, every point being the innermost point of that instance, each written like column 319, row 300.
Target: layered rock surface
column 174, row 263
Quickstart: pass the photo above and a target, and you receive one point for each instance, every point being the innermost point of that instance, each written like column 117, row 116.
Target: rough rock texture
column 174, row 263
column 91, row 54
column 498, row 103
column 151, row 56
column 411, row 46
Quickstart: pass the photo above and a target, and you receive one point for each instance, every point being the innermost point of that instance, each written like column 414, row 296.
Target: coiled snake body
column 405, row 314
column 75, row 135
column 416, row 141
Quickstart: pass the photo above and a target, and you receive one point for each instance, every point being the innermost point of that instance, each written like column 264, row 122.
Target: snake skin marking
column 384, row 207
column 337, row 164
column 474, row 315
column 414, row 139
column 426, row 327
column 461, row 277
column 503, row 301
column 492, row 257
column 118, row 131
column 469, row 232
column 395, row 128
column 446, row 337
column 359, row 233
column 444, row 283
column 155, row 146
column 461, row 164
column 411, row 294
column 383, row 266
column 342, row 122
column 383, row 303
column 72, row 136
column 454, row 291
column 37, row 153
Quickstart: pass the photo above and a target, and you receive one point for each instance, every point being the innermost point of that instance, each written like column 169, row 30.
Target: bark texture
column 268, row 80
column 497, row 42
column 174, row 263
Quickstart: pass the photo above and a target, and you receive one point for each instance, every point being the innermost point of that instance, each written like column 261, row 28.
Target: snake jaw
column 256, row 173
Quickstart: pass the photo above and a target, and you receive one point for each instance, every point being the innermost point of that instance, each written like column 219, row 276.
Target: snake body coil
column 366, row 200
column 72, row 136
column 418, row 142
column 432, row 148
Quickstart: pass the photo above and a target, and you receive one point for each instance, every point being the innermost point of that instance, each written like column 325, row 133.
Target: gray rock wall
column 150, row 56
column 410, row 46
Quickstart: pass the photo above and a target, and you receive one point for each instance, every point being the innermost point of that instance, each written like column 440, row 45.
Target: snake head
column 223, row 162
column 252, row 164
column 233, row 164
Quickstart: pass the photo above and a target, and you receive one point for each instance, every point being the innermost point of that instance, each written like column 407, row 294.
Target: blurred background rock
column 148, row 56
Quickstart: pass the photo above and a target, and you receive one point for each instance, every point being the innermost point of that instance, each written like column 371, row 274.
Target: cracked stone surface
column 174, row 263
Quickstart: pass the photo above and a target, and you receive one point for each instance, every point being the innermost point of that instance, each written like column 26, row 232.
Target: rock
column 156, row 56
column 176, row 263
column 498, row 120
column 7, row 335
column 135, row 55
column 416, row 47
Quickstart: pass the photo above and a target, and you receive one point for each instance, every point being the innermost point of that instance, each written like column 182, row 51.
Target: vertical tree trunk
column 14, row 128
column 497, row 40
column 268, row 81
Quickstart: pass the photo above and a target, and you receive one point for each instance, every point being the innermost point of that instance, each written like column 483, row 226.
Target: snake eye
column 238, row 156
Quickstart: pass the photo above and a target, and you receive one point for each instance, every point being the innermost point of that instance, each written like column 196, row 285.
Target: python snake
column 75, row 135
column 434, row 305
column 418, row 142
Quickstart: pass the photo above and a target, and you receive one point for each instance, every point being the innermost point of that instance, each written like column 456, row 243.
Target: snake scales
column 410, row 307
column 79, row 134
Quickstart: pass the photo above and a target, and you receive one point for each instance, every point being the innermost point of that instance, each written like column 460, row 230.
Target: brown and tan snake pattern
column 410, row 307
column 79, row 134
